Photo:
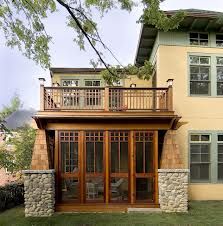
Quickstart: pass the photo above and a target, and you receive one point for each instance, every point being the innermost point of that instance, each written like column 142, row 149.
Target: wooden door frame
column 106, row 163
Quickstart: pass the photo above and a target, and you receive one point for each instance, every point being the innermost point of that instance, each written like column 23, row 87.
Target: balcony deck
column 108, row 99
column 61, row 104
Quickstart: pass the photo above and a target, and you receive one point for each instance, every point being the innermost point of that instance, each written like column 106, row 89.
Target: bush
column 11, row 195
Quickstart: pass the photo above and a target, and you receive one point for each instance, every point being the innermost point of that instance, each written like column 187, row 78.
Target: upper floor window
column 70, row 82
column 92, row 83
column 199, row 39
column 200, row 157
column 219, row 75
column 199, row 75
column 219, row 40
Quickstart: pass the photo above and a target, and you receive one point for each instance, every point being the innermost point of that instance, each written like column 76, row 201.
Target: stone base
column 173, row 190
column 39, row 192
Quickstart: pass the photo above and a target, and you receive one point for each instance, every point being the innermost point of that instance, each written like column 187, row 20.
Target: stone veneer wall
column 39, row 188
column 173, row 190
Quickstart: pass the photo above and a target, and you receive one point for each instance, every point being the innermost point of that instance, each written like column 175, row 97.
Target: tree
column 22, row 22
column 14, row 105
column 21, row 143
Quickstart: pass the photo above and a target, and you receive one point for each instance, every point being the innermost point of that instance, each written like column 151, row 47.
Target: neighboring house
column 138, row 144
column 14, row 121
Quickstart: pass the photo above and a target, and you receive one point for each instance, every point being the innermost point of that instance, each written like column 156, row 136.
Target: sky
column 118, row 29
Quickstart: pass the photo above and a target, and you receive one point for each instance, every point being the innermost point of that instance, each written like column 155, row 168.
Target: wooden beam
column 107, row 167
column 156, row 199
column 132, row 170
column 82, row 164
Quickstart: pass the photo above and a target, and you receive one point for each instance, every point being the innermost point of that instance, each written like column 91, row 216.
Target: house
column 137, row 144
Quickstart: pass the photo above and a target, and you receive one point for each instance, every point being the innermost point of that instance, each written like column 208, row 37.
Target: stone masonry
column 173, row 190
column 39, row 187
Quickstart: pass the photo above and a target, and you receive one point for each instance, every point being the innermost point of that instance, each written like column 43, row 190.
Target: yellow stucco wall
column 126, row 83
column 198, row 113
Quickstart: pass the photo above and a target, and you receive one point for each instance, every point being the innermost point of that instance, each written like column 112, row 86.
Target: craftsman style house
column 137, row 144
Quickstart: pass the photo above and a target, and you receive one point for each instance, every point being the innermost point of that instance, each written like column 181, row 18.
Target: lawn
column 200, row 213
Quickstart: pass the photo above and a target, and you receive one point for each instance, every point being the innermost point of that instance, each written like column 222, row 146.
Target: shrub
column 11, row 195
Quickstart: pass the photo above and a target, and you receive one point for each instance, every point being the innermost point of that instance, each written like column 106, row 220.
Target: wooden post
column 107, row 167
column 106, row 99
column 156, row 166
column 132, row 168
column 82, row 164
column 42, row 80
column 170, row 98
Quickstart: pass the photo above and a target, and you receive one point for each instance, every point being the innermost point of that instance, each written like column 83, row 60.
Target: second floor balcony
column 106, row 99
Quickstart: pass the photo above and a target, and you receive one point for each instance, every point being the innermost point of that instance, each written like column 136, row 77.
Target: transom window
column 70, row 82
column 92, row 83
column 219, row 40
column 200, row 75
column 200, row 157
column 199, row 39
column 219, row 75
column 220, row 157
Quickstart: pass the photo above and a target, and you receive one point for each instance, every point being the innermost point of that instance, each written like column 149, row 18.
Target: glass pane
column 205, row 158
column 203, row 42
column 149, row 157
column 194, row 69
column 220, row 171
column 220, row 158
column 219, row 74
column 204, row 172
column 194, row 60
column 139, row 157
column 220, row 88
column 88, row 83
column 220, row 59
column 195, row 148
column 219, row 37
column 70, row 189
column 220, row 148
column 114, row 157
column 204, row 60
column 99, row 157
column 119, row 189
column 205, row 148
column 194, row 137
column 90, row 157
column 219, row 43
column 194, row 35
column 195, row 158
column 95, row 189
column 220, row 137
column 199, row 172
column 205, row 137
column 72, row 83
column 124, row 157
column 65, row 157
column 74, row 157
column 144, row 189
column 202, row 88
column 203, row 36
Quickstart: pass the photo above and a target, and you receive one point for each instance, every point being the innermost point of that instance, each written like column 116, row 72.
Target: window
column 220, row 157
column 219, row 40
column 200, row 157
column 219, row 75
column 199, row 39
column 92, row 83
column 70, row 82
column 200, row 75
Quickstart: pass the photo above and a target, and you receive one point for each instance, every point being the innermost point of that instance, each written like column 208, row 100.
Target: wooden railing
column 106, row 99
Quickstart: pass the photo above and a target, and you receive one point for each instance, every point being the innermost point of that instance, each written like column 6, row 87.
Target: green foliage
column 114, row 74
column 152, row 15
column 21, row 143
column 14, row 105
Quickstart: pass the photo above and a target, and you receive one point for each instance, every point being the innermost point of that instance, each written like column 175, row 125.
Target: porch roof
column 195, row 20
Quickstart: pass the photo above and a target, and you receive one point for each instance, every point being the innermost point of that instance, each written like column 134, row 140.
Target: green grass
column 200, row 213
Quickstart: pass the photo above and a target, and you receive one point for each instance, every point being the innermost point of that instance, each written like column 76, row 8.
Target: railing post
column 42, row 80
column 106, row 99
column 170, row 95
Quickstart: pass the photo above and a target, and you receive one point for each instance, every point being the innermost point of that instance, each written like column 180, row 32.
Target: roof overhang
column 195, row 20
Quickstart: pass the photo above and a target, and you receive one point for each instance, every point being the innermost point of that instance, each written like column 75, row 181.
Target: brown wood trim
column 156, row 198
column 132, row 190
column 107, row 167
column 56, row 166
column 82, row 166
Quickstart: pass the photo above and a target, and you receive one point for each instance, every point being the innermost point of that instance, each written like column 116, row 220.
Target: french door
column 106, row 166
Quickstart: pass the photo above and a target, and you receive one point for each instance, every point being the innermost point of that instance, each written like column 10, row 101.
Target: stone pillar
column 39, row 192
column 172, row 177
column 40, row 156
column 173, row 190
